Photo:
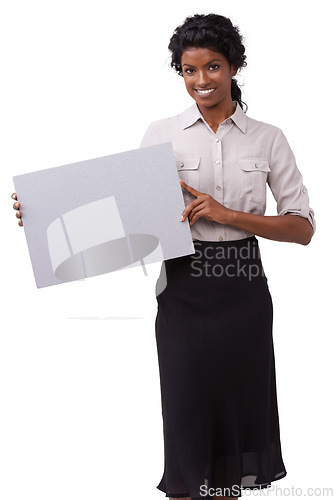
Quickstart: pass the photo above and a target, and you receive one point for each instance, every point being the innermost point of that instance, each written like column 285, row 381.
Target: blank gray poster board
column 102, row 215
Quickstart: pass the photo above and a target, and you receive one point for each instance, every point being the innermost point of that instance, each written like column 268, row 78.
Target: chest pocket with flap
column 254, row 173
column 189, row 172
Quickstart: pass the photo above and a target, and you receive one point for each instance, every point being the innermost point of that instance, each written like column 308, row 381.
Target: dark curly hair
column 210, row 31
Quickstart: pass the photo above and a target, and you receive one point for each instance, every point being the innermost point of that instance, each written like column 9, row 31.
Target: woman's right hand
column 16, row 206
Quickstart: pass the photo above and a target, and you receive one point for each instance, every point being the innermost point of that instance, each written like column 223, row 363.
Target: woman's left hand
column 204, row 206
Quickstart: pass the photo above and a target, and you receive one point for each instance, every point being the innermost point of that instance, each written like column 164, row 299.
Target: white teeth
column 205, row 91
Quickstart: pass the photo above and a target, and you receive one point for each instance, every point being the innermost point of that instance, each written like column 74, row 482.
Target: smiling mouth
column 204, row 91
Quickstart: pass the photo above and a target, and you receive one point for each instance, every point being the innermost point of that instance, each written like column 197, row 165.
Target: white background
column 80, row 399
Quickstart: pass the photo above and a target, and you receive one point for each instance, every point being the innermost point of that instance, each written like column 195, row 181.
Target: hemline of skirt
column 241, row 488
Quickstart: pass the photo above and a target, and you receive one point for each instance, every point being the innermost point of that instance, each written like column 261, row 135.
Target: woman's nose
column 203, row 78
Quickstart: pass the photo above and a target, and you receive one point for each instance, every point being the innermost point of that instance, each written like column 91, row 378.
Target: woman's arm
column 292, row 228
column 287, row 227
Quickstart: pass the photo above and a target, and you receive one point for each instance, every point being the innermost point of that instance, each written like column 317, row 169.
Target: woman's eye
column 189, row 71
column 214, row 66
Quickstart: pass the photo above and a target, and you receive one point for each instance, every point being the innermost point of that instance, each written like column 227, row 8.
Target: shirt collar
column 193, row 114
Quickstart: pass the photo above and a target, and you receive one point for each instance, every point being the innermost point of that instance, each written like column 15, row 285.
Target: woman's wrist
column 227, row 216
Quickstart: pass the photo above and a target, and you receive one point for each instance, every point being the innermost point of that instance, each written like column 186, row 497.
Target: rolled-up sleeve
column 286, row 182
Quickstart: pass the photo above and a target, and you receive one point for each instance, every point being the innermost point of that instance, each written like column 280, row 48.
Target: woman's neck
column 214, row 115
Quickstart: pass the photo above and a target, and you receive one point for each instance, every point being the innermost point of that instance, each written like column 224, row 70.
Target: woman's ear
column 234, row 70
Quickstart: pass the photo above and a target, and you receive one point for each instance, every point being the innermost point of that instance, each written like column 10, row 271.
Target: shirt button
column 256, row 165
column 218, row 188
column 217, row 161
column 220, row 238
column 217, row 140
column 228, row 121
column 304, row 190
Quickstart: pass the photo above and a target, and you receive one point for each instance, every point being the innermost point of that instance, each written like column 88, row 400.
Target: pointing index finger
column 190, row 189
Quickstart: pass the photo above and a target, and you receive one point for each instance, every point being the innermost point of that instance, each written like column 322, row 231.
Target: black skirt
column 217, row 372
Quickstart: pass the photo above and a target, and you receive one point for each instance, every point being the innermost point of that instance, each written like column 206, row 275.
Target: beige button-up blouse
column 233, row 165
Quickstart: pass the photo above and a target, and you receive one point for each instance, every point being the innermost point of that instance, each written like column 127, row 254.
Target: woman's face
column 207, row 75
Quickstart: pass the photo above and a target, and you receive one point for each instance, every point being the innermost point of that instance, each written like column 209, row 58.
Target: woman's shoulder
column 165, row 129
column 172, row 121
column 256, row 124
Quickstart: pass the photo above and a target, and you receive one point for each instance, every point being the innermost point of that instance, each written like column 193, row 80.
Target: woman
column 214, row 319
